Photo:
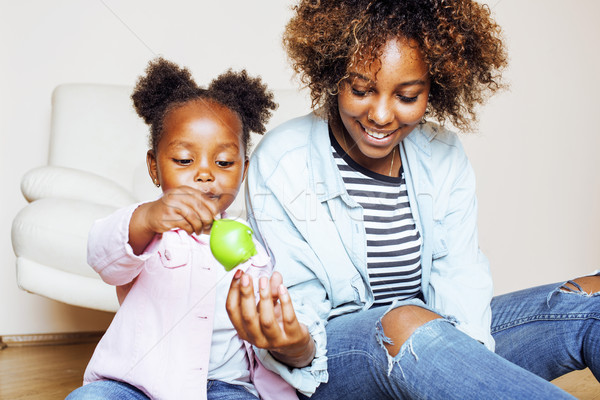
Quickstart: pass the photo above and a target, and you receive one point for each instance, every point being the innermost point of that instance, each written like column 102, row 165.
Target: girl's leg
column 218, row 390
column 107, row 390
column 437, row 361
column 550, row 330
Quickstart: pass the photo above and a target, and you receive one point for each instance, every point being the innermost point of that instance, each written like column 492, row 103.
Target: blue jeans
column 116, row 390
column 541, row 332
column 549, row 330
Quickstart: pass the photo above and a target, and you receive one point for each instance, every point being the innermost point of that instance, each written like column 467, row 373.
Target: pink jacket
column 160, row 339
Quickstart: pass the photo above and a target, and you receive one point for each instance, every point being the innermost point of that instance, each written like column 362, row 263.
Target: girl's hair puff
column 245, row 95
column 166, row 86
column 460, row 42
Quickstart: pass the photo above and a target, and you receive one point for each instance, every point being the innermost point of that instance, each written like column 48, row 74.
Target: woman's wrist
column 300, row 358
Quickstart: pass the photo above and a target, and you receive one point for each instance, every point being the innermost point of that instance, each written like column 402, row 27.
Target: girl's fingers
column 196, row 210
column 188, row 207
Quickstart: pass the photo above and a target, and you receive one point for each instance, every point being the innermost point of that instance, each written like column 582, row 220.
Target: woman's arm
column 460, row 274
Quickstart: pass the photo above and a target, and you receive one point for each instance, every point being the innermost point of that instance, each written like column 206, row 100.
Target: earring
column 156, row 183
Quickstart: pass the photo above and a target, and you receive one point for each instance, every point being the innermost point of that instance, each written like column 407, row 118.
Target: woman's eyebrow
column 356, row 75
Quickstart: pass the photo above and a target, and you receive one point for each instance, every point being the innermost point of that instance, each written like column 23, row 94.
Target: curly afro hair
column 460, row 42
column 166, row 86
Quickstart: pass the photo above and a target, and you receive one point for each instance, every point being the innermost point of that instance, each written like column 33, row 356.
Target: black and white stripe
column 393, row 240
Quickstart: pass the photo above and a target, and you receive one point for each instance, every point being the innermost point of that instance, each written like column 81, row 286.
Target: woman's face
column 201, row 147
column 381, row 104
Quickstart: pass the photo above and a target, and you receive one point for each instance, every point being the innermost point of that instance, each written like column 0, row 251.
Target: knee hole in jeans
column 400, row 323
column 587, row 284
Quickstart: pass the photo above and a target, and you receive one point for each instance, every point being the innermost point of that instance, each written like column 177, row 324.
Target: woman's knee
column 587, row 284
column 400, row 323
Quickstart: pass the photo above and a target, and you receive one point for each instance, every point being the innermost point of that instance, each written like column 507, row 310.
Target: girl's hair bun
column 164, row 84
column 246, row 95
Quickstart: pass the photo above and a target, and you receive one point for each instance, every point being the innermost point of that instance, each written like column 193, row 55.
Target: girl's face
column 201, row 147
column 380, row 105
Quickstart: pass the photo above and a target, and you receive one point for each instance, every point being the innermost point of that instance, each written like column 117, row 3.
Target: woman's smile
column 378, row 134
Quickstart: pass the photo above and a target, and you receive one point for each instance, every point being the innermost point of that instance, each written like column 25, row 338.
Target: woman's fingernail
column 245, row 280
column 237, row 274
column 283, row 293
column 263, row 283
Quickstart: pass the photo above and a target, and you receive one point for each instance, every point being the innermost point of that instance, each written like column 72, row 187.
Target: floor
column 53, row 371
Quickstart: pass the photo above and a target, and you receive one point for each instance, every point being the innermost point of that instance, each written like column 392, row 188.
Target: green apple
column 231, row 242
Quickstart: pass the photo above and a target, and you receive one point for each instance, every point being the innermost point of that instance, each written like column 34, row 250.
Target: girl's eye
column 224, row 164
column 182, row 161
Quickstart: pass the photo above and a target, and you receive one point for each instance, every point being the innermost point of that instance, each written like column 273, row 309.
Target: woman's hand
column 271, row 324
column 182, row 207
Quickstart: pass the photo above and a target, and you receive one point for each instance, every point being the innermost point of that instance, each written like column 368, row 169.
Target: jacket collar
column 325, row 178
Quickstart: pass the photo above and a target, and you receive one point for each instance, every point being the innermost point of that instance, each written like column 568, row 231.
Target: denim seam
column 546, row 317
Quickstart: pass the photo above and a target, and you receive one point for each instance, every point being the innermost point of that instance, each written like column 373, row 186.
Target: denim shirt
column 314, row 232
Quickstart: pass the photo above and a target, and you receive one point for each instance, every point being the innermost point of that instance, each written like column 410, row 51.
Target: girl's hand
column 182, row 207
column 272, row 324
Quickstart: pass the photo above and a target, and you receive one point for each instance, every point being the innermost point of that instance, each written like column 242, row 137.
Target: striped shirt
column 393, row 240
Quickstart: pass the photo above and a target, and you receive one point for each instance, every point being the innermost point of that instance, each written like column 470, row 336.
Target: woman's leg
column 218, row 390
column 107, row 390
column 436, row 361
column 550, row 330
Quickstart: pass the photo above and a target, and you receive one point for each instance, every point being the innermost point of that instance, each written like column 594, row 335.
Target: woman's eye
column 360, row 93
column 184, row 161
column 407, row 99
column 224, row 164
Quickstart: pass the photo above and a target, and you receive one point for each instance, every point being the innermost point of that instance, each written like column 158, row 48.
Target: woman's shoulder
column 437, row 150
column 291, row 134
column 436, row 141
column 437, row 134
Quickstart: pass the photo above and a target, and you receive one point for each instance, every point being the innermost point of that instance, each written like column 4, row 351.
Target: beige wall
column 536, row 154
column 539, row 188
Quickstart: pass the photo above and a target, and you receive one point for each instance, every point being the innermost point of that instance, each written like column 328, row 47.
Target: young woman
column 370, row 214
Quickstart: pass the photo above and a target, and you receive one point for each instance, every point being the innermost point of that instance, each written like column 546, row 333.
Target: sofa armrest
column 69, row 183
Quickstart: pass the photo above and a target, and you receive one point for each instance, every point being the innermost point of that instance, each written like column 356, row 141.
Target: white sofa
column 96, row 164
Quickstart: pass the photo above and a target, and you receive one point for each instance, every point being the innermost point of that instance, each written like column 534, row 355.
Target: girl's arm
column 183, row 207
column 108, row 251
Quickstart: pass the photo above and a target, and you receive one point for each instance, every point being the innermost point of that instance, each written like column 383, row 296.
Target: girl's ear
column 152, row 167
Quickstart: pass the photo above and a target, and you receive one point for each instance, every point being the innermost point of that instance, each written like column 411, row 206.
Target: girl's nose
column 204, row 175
column 380, row 113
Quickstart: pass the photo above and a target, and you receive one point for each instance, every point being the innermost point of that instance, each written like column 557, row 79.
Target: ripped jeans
column 541, row 333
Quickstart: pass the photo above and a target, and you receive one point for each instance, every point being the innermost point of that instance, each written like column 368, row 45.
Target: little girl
column 172, row 338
